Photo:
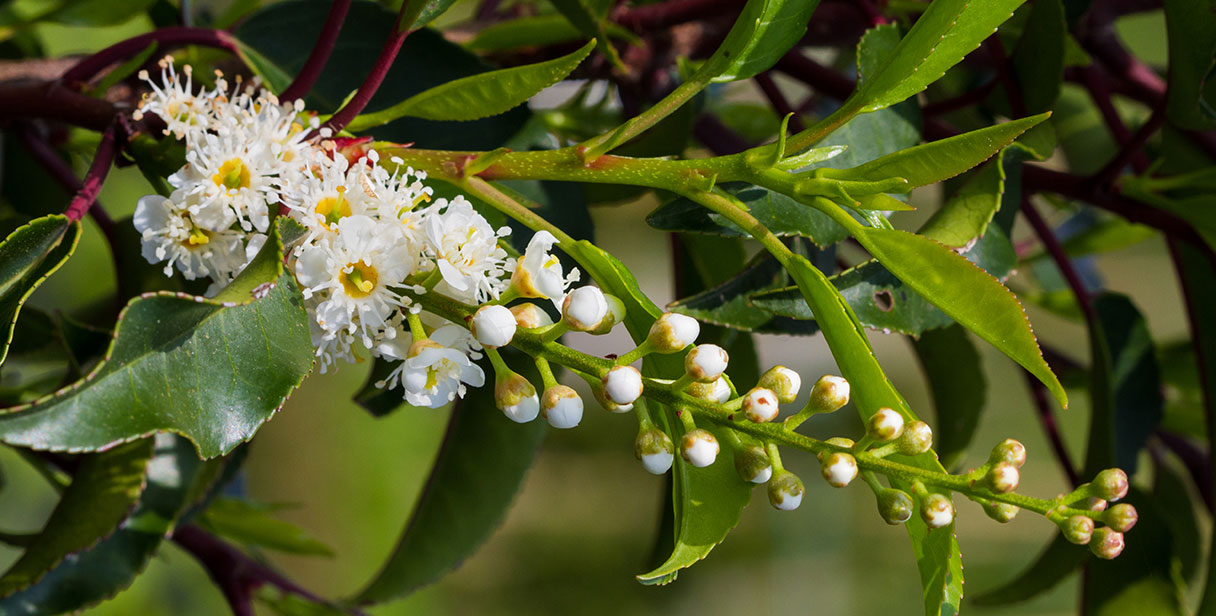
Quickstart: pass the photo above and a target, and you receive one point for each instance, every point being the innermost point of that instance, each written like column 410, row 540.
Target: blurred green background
column 585, row 521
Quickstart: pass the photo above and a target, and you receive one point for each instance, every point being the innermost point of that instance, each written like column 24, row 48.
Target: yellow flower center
column 198, row 237
column 432, row 377
column 332, row 209
column 360, row 281
column 233, row 174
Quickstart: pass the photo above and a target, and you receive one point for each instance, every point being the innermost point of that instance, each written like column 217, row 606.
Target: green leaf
column 1173, row 499
column 1053, row 566
column 377, row 400
column 956, row 381
column 476, row 474
column 966, row 215
column 478, row 96
column 535, row 31
column 592, row 22
column 1038, row 60
column 211, row 370
column 98, row 12
column 1135, row 378
column 942, row 36
column 429, row 11
column 728, row 303
column 779, row 213
column 965, row 292
column 1141, row 580
column 251, row 524
column 764, row 31
column 1191, row 30
column 935, row 161
column 27, row 257
column 103, row 492
column 175, row 476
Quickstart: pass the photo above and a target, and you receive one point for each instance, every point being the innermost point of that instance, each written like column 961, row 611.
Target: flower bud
column 785, row 491
column 615, row 314
column 562, row 407
column 717, row 391
column 493, row 326
column 706, row 363
column 840, row 441
column 1121, row 517
column 601, row 396
column 1078, row 529
column 916, row 439
column 753, row 464
column 1009, row 450
column 760, row 405
column 530, row 316
column 516, row 398
column 584, row 308
column 1003, row 477
column 829, row 394
column 895, row 506
column 673, row 332
column 1093, row 503
column 699, row 448
column 1110, row 484
column 783, row 381
column 623, row 384
column 885, row 425
column 839, row 469
column 1107, row 543
column 1001, row 512
column 655, row 450
column 937, row 510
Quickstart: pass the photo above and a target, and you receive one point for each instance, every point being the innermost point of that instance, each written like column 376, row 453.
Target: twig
column 1047, row 419
column 165, row 37
column 778, row 100
column 51, row 101
column 103, row 159
column 368, row 88
column 815, row 75
column 1132, row 151
column 321, row 50
column 1060, row 258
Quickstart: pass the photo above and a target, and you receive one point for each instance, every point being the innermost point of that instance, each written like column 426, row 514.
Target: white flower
column 493, row 326
column 185, row 113
column 562, row 407
column 839, row 469
column 232, row 170
column 320, row 199
column 434, row 373
column 584, row 308
column 170, row 234
column 760, row 405
column 673, row 332
column 699, row 448
column 885, row 425
column 539, row 273
column 465, row 250
column 623, row 384
column 356, row 273
column 658, row 463
column 516, row 398
column 706, row 363
column 937, row 511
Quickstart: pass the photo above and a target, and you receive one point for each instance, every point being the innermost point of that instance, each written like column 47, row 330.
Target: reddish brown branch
column 321, row 51
column 778, row 100
column 371, row 84
column 103, row 159
column 51, row 101
column 1047, row 419
column 167, row 38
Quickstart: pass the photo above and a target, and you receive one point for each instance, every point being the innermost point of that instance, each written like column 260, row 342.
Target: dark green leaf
column 104, row 491
column 946, row 32
column 956, row 381
column 1135, row 377
column 478, row 96
column 27, row 257
column 1141, row 580
column 1038, row 60
column 1191, row 29
column 764, row 31
column 211, row 370
column 537, row 31
column 779, row 213
column 1174, row 503
column 253, row 525
column 589, row 17
column 1053, row 566
column 477, row 472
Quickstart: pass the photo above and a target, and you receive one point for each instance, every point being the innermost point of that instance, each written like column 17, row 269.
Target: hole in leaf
column 884, row 300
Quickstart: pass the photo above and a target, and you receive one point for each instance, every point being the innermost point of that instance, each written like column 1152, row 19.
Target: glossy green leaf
column 211, row 370
column 956, row 382
column 254, row 525
column 590, row 18
column 965, row 292
column 430, row 10
column 535, row 31
column 476, row 474
column 1106, row 235
column 728, row 303
column 942, row 36
column 1141, row 580
column 175, row 477
column 1038, row 60
column 935, row 161
column 1135, row 377
column 1191, row 31
column 103, row 492
column 27, row 257
column 478, row 96
column 1053, row 566
column 764, row 31
column 967, row 214
column 781, row 214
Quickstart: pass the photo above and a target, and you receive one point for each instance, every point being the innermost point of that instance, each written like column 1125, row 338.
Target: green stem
column 500, row 367
column 416, row 328
column 596, row 146
column 546, row 373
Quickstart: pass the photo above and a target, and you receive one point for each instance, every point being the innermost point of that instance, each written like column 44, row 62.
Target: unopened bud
column 1121, row 517
column 655, row 450
column 601, row 396
column 785, row 491
column 1078, row 529
column 1093, row 503
column 1110, row 484
column 516, row 398
column 584, row 308
column 753, row 464
column 916, row 439
column 562, row 407
column 623, row 384
column 829, row 394
column 1107, row 543
column 760, row 405
column 895, row 506
column 783, row 381
column 1003, row 477
column 493, row 326
column 840, row 441
column 1001, row 512
column 706, row 363
column 530, row 316
column 1009, row 450
column 885, row 425
column 699, row 448
column 839, row 469
column 615, row 314
column 937, row 510
column 673, row 332
column 717, row 391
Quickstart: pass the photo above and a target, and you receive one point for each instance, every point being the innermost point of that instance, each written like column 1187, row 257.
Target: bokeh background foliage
column 327, row 487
